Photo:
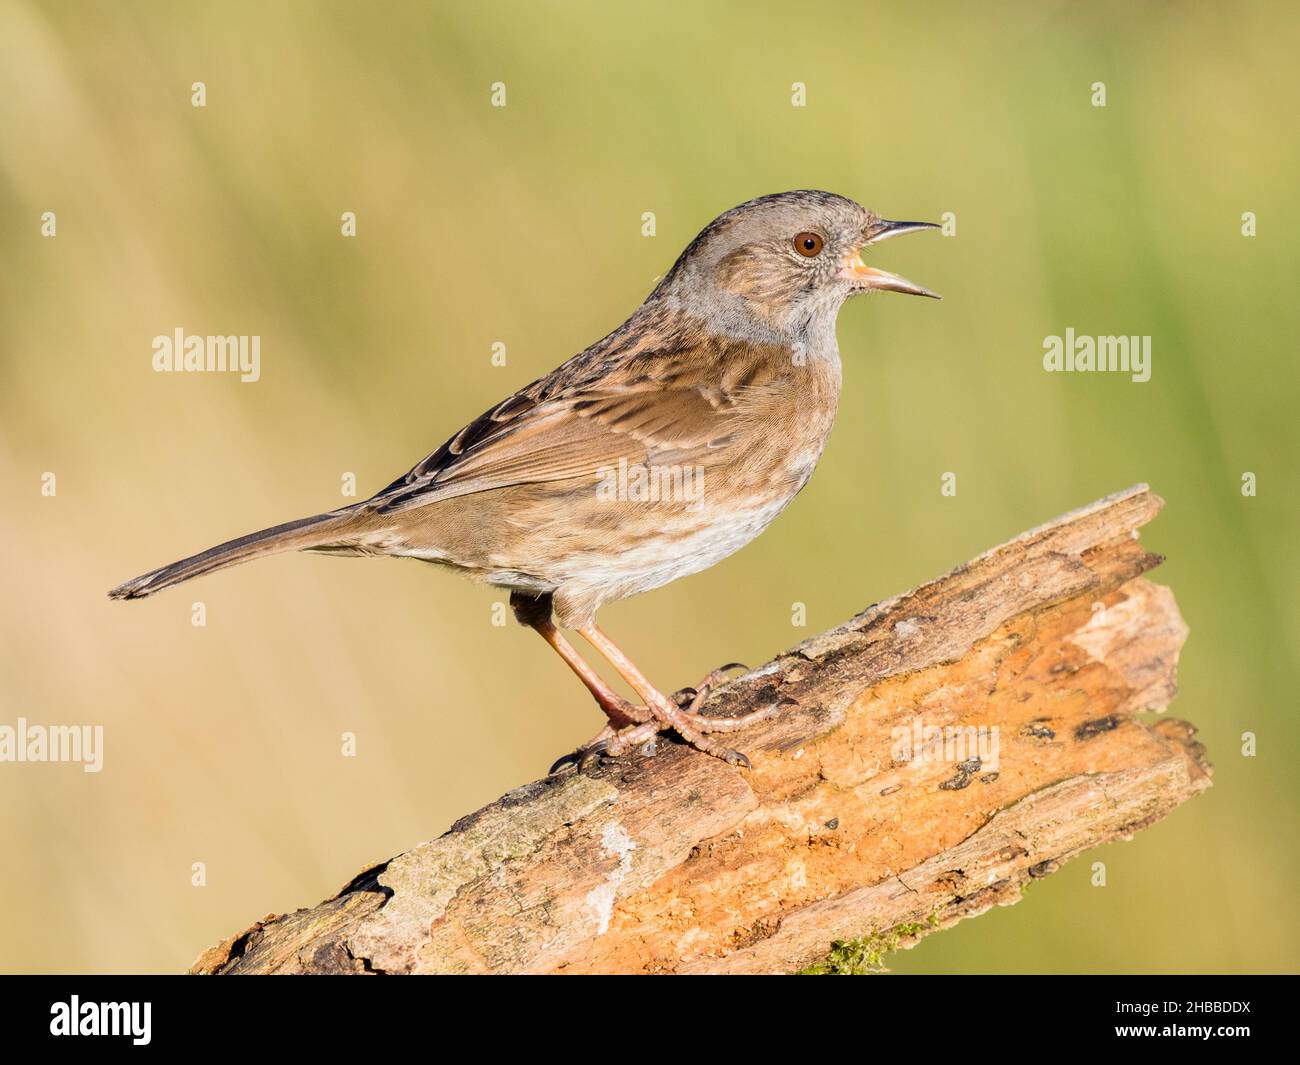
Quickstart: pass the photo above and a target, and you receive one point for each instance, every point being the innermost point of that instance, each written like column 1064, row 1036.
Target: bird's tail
column 319, row 531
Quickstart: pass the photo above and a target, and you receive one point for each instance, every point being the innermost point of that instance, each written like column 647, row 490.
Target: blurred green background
column 522, row 224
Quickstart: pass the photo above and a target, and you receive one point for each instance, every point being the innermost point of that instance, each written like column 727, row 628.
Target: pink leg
column 688, row 725
column 629, row 725
column 619, row 711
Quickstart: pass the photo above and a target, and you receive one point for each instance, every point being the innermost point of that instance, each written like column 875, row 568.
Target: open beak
column 868, row 277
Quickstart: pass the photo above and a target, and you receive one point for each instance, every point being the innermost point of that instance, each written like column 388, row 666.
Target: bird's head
column 790, row 258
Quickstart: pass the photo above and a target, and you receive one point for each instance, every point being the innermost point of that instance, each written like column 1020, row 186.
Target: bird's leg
column 619, row 711
column 629, row 725
column 686, row 725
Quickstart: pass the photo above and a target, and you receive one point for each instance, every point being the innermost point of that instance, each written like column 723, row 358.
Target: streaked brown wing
column 653, row 405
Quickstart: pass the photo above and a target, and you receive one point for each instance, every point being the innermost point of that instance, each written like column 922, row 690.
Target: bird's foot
column 610, row 742
column 680, row 713
column 635, row 726
column 622, row 713
column 690, row 700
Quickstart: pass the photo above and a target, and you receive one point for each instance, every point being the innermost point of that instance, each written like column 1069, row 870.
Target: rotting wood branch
column 1037, row 656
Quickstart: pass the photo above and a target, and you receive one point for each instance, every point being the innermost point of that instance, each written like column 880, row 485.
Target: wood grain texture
column 1050, row 644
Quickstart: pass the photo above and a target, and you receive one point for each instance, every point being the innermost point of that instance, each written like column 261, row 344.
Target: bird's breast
column 782, row 430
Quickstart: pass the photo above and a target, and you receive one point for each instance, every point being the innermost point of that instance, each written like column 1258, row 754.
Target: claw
column 572, row 758
column 580, row 759
column 736, row 758
column 691, row 699
column 600, row 744
column 610, row 744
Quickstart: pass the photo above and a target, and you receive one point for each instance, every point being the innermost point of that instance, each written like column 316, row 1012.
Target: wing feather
column 658, row 404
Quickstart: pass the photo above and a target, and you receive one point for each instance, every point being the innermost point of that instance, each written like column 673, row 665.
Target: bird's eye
column 809, row 245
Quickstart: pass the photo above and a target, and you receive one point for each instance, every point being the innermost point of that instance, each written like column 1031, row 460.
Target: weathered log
column 844, row 828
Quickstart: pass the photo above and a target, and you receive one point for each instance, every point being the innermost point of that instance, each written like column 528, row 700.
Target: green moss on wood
column 865, row 954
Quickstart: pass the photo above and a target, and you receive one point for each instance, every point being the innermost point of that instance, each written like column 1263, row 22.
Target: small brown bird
column 653, row 454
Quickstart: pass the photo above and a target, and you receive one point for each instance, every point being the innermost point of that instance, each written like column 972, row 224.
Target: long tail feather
column 316, row 531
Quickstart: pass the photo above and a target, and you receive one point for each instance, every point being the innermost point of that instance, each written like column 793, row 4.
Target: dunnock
column 653, row 454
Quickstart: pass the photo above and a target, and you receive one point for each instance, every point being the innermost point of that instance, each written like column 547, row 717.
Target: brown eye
column 809, row 245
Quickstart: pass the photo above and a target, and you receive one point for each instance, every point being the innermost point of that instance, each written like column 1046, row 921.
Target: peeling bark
column 680, row 863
